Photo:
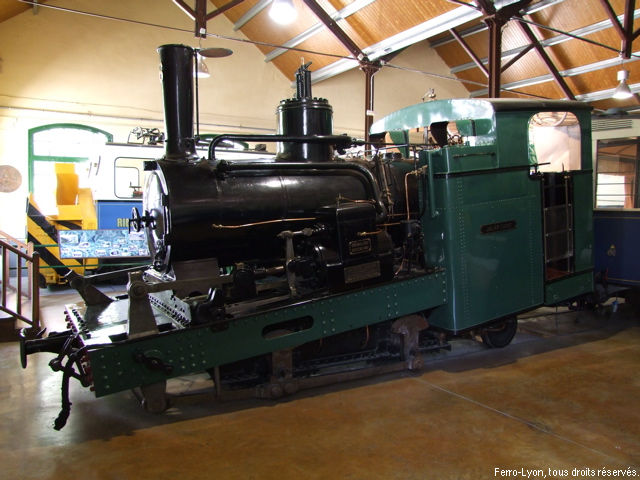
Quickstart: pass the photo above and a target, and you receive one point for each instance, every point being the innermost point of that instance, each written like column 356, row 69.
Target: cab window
column 554, row 142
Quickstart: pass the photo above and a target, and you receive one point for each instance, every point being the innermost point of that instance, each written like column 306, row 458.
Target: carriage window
column 61, row 143
column 128, row 177
column 554, row 141
column 616, row 173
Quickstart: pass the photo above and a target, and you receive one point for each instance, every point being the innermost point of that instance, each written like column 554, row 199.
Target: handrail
column 23, row 252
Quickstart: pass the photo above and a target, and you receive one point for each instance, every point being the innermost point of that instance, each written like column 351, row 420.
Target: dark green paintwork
column 422, row 114
column 198, row 349
column 486, row 184
column 494, row 274
column 568, row 288
column 583, row 219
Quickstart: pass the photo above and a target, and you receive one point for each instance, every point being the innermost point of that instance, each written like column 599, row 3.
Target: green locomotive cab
column 509, row 200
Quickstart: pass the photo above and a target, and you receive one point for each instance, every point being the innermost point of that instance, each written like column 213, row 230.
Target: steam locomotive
column 312, row 267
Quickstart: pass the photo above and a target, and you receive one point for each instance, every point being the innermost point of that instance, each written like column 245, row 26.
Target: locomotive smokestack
column 177, row 88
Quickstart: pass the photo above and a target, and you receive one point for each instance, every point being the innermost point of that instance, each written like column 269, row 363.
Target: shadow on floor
column 193, row 397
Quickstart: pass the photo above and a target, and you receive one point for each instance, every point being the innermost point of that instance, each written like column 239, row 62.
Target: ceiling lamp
column 283, row 12
column 201, row 69
column 622, row 91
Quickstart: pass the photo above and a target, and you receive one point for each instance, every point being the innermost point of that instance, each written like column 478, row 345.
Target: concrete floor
column 565, row 395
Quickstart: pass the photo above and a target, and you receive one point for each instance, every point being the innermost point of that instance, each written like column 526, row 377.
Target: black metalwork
column 301, row 116
column 177, row 88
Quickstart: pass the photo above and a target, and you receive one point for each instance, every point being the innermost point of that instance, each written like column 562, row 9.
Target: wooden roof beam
column 466, row 4
column 342, row 14
column 250, row 14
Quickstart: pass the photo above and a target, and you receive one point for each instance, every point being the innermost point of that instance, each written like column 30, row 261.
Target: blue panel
column 115, row 214
column 616, row 235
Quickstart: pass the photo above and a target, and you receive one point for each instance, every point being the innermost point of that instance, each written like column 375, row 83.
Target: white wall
column 62, row 67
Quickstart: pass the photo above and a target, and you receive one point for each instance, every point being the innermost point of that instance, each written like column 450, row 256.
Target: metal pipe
column 337, row 140
column 35, row 287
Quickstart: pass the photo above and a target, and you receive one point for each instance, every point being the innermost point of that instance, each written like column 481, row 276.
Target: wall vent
column 599, row 124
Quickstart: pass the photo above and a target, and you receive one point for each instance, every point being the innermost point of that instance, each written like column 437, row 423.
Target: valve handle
column 134, row 221
column 137, row 222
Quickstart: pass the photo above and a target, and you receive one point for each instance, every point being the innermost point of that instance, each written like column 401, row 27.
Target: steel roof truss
column 547, row 61
column 334, row 28
column 347, row 11
column 200, row 15
column 625, row 31
column 469, row 51
column 521, row 54
column 549, row 42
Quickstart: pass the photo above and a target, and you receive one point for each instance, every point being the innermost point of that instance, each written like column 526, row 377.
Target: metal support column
column 495, row 57
column 369, row 69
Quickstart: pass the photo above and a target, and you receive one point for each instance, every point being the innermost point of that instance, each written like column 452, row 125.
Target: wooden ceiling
column 588, row 70
column 577, row 38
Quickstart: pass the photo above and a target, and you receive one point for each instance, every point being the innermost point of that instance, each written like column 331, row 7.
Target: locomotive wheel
column 500, row 334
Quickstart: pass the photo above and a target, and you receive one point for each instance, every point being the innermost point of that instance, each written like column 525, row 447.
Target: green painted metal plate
column 568, row 288
column 196, row 349
column 491, row 247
